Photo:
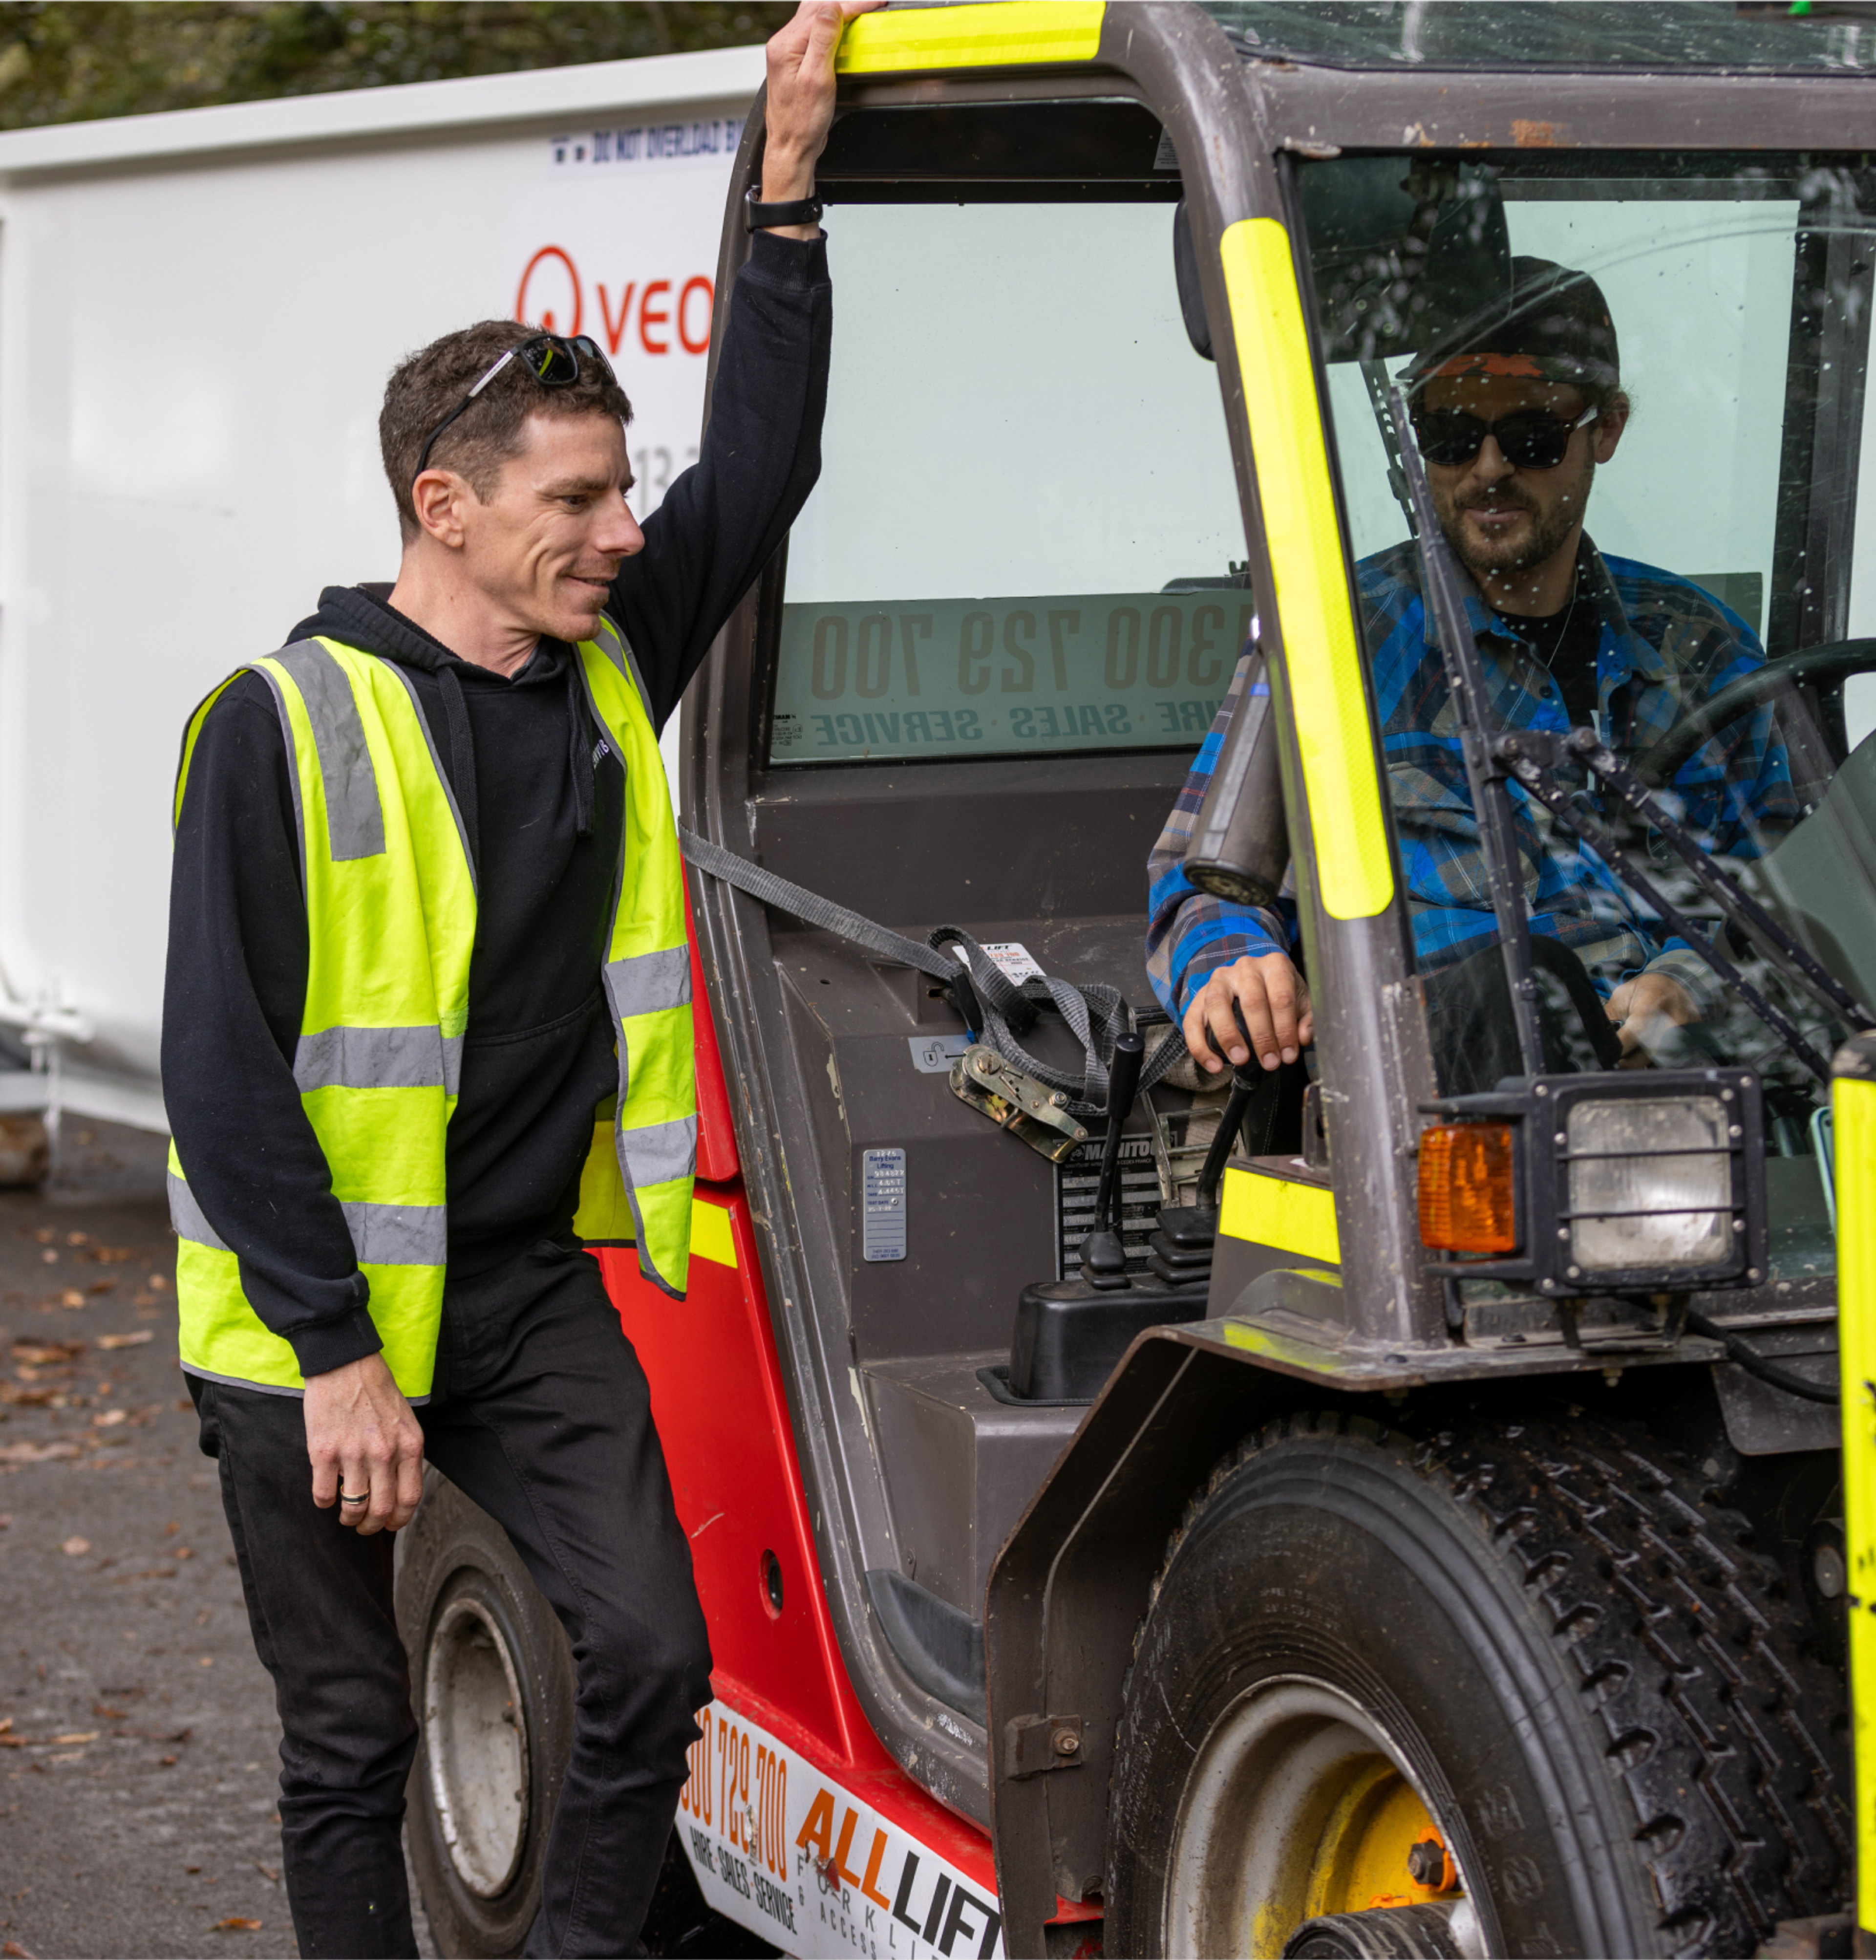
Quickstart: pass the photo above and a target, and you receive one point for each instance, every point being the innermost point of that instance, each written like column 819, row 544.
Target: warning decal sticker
column 781, row 1848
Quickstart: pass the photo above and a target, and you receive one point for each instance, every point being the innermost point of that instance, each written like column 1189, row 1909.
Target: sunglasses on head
column 1530, row 440
column 553, row 359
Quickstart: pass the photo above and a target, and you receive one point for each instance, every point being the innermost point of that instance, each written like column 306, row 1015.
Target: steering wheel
column 1657, row 763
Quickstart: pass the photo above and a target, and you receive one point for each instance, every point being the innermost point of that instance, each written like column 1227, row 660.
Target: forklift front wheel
column 1497, row 1687
column 492, row 1683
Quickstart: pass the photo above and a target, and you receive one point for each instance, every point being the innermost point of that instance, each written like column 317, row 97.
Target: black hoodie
column 542, row 798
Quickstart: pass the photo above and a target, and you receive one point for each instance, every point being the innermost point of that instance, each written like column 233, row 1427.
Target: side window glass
column 1024, row 537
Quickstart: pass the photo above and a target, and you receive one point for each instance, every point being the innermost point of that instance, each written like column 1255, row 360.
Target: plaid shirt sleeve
column 1189, row 933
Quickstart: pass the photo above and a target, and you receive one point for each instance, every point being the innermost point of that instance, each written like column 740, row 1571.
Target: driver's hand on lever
column 1271, row 1006
column 1639, row 1006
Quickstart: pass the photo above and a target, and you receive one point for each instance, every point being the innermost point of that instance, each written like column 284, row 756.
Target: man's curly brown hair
column 427, row 385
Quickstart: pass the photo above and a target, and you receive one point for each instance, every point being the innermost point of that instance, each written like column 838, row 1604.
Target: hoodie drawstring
column 583, row 753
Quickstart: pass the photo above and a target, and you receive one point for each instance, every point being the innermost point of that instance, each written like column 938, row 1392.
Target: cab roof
column 1715, row 36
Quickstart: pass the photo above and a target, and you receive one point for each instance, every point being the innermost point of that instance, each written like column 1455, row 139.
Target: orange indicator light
column 1468, row 1201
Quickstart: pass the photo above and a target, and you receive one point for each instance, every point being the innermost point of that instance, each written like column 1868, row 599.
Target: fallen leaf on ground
column 109, row 1418
column 35, row 1453
column 71, row 1297
column 75, row 1547
column 182, row 1551
column 43, row 1354
column 236, row 1926
column 158, row 1283
column 77, row 1238
column 125, row 1340
column 6, row 1518
column 87, row 1735
column 268, row 1872
column 106, row 1713
column 207, row 1660
column 12, row 1950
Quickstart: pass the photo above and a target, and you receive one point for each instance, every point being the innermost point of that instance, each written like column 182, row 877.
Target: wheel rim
column 1299, row 1805
column 476, row 1740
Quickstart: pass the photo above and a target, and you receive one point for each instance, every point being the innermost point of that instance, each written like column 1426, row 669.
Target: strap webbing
column 1094, row 1014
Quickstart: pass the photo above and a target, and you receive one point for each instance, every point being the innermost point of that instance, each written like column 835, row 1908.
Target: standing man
column 428, row 1031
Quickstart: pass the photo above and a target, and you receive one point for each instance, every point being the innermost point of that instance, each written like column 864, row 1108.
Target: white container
column 198, row 312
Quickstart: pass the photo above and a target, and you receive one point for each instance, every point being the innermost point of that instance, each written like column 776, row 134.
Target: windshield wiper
column 1514, row 751
column 1491, row 793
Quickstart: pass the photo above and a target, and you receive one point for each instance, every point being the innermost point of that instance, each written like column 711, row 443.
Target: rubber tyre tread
column 1679, row 1660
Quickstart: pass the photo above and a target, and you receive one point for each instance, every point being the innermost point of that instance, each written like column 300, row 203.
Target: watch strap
column 759, row 217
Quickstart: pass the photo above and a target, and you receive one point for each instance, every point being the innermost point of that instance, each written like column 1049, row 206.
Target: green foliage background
column 65, row 62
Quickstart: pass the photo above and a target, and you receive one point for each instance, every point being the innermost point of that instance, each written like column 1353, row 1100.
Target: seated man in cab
column 1512, row 422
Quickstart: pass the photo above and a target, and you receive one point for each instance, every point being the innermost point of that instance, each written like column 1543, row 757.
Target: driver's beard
column 1551, row 531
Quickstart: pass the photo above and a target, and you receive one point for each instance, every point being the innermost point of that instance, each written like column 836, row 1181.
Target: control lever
column 1180, row 1251
column 1103, row 1257
column 1246, row 1082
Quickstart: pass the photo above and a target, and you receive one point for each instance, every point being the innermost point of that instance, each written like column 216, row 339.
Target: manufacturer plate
column 1076, row 1180
column 882, row 1205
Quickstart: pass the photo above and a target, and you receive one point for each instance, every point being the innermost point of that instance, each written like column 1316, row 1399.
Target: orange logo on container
column 552, row 295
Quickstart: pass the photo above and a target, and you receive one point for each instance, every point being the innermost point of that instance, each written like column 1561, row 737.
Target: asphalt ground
column 138, row 1740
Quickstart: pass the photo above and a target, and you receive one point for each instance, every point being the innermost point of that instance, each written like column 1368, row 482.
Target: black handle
column 1246, row 1082
column 1123, row 1084
column 1103, row 1257
column 1239, row 848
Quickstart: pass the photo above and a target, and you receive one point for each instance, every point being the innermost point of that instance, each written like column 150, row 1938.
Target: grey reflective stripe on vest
column 399, row 1235
column 382, row 1235
column 649, row 982
column 436, row 763
column 658, row 1152
column 354, row 816
column 186, row 1215
column 378, row 1059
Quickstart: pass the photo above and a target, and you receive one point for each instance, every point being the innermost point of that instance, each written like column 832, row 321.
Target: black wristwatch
column 759, row 217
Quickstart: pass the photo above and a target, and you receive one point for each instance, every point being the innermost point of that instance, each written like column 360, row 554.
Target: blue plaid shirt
column 1666, row 645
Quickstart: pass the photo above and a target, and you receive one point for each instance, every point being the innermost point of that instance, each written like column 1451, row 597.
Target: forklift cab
column 1461, row 1567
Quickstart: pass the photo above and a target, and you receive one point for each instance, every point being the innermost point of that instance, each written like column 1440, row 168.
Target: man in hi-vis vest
column 428, row 1032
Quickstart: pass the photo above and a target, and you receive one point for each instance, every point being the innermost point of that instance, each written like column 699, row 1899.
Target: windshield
column 1023, row 538
column 1637, row 395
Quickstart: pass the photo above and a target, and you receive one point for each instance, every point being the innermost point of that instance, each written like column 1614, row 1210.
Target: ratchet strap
column 996, row 1009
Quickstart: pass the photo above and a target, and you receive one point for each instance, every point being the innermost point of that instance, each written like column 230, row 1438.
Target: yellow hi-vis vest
column 390, row 902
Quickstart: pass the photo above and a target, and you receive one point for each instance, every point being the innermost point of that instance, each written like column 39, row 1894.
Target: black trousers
column 541, row 1414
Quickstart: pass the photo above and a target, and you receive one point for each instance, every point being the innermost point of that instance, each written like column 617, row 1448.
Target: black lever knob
column 1246, row 1082
column 1103, row 1257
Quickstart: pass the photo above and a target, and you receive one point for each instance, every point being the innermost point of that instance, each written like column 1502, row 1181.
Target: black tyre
column 493, row 1685
column 1541, row 1645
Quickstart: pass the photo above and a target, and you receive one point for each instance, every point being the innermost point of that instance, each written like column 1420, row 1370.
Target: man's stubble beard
column 1551, row 531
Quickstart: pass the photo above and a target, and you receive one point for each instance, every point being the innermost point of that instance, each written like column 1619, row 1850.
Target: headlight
column 1604, row 1183
column 1650, row 1183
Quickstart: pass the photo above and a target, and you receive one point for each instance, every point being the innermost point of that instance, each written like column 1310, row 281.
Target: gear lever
column 1103, row 1257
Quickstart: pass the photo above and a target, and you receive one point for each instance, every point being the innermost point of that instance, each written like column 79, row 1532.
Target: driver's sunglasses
column 553, row 359
column 1531, row 441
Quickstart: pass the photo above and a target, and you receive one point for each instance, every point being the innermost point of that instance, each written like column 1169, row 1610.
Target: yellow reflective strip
column 1354, row 872
column 1017, row 34
column 1298, row 1218
column 189, row 735
column 710, row 1237
column 1854, row 1122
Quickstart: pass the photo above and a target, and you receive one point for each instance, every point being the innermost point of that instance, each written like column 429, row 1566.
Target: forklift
column 1413, row 1500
